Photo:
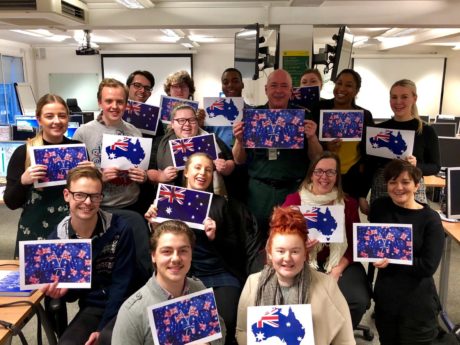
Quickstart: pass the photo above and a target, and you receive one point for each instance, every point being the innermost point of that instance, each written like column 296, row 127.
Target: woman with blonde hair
column 425, row 154
column 43, row 208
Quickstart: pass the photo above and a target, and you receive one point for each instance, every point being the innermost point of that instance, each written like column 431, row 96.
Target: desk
column 434, row 181
column 18, row 315
column 453, row 232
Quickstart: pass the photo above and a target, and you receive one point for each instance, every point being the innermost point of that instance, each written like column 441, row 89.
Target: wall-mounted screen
column 247, row 51
column 453, row 196
column 343, row 50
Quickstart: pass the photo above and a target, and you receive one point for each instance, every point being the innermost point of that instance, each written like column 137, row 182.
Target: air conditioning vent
column 72, row 10
column 18, row 5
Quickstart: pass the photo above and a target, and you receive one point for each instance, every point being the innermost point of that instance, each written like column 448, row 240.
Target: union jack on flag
column 183, row 145
column 269, row 319
column 219, row 105
column 172, row 193
column 384, row 136
column 120, row 144
column 133, row 108
column 311, row 215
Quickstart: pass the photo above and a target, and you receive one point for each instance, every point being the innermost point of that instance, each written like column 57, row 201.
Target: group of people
column 271, row 184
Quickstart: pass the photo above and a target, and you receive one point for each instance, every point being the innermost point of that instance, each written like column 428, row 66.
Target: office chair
column 73, row 105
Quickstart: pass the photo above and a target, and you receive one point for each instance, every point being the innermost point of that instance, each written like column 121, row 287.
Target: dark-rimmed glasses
column 139, row 86
column 182, row 121
column 80, row 196
column 320, row 172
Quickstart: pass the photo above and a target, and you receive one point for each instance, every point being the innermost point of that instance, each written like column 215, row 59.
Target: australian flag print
column 325, row 223
column 125, row 152
column 374, row 242
column 345, row 125
column 167, row 105
column 282, row 129
column 188, row 319
column 188, row 205
column 389, row 143
column 46, row 261
column 143, row 116
column 306, row 96
column 288, row 324
column 59, row 159
column 223, row 111
column 181, row 149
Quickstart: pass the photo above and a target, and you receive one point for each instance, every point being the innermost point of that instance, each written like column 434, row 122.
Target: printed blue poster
column 59, row 159
column 373, row 242
column 181, row 149
column 143, row 116
column 279, row 128
column 346, row 125
column 190, row 319
column 305, row 96
column 167, row 105
column 46, row 261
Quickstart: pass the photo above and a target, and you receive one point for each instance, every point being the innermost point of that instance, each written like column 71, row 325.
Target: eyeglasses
column 192, row 121
column 139, row 86
column 80, row 196
column 179, row 86
column 320, row 172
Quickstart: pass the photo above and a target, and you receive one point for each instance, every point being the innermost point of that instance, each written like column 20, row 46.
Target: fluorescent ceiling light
column 29, row 33
column 169, row 39
column 187, row 45
column 202, row 39
column 457, row 47
column 173, row 33
column 136, row 4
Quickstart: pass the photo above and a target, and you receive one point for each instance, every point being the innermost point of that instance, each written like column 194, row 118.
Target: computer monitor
column 87, row 115
column 6, row 151
column 444, row 129
column 26, row 123
column 19, row 134
column 453, row 196
column 78, row 118
column 425, row 118
column 449, row 149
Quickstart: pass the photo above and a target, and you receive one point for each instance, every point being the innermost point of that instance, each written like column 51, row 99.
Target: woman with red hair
column 288, row 279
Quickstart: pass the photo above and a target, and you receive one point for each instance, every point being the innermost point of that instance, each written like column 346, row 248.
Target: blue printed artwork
column 125, row 152
column 167, row 105
column 286, row 324
column 373, row 242
column 389, row 143
column 305, row 96
column 188, row 205
column 223, row 111
column 143, row 116
column 281, row 128
column 188, row 319
column 9, row 284
column 46, row 261
column 345, row 125
column 59, row 159
column 181, row 149
column 325, row 223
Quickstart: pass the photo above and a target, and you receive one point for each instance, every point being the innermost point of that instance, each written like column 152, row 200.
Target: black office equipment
column 444, row 129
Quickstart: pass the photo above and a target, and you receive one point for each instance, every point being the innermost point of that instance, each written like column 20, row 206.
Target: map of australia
column 287, row 329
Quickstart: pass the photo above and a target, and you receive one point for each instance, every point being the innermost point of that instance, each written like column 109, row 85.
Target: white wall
column 450, row 103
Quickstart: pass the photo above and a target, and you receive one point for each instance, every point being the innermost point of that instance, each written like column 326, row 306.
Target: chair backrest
column 73, row 105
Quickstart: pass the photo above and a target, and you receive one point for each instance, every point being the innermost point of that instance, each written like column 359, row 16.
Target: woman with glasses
column 218, row 257
column 184, row 124
column 322, row 186
column 43, row 208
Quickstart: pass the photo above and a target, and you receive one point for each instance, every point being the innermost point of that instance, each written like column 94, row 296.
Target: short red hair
column 287, row 221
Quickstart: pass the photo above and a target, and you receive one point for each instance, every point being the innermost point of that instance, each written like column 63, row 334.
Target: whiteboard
column 82, row 86
column 26, row 98
column 378, row 74
column 120, row 66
